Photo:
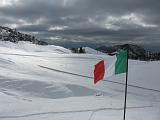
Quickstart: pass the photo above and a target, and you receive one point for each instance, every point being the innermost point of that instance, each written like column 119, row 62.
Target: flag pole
column 125, row 100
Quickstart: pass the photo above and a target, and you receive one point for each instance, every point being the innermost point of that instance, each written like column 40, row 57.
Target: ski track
column 79, row 111
column 75, row 57
column 134, row 86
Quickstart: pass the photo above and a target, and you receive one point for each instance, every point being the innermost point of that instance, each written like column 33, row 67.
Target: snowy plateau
column 50, row 83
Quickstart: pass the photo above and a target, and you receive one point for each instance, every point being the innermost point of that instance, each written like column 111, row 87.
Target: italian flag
column 119, row 64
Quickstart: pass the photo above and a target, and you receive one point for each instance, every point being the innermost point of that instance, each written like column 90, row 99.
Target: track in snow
column 93, row 110
column 134, row 86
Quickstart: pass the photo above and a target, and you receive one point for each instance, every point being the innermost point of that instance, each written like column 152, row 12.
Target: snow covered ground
column 51, row 83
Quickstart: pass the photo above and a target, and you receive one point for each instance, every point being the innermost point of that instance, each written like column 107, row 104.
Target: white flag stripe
column 110, row 70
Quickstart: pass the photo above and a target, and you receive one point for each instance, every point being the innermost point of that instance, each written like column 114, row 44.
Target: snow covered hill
column 12, row 35
column 51, row 83
column 89, row 50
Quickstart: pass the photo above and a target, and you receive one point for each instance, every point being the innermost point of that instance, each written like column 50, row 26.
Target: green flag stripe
column 121, row 63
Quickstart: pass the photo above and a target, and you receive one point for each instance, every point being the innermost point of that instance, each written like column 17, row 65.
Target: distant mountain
column 135, row 51
column 12, row 35
column 105, row 49
column 89, row 50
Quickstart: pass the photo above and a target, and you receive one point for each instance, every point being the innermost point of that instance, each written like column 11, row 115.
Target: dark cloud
column 34, row 28
column 86, row 21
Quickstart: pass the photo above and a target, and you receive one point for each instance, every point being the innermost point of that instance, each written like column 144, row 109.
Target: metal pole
column 125, row 100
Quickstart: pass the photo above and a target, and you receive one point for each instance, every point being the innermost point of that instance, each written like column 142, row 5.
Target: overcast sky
column 91, row 22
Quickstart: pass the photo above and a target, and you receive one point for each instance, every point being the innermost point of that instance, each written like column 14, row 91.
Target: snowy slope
column 48, row 82
column 92, row 51
column 29, row 47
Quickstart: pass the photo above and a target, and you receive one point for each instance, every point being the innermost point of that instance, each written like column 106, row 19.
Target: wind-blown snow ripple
column 46, row 90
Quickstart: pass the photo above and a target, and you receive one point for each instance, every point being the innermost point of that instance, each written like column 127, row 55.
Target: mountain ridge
column 12, row 35
column 135, row 51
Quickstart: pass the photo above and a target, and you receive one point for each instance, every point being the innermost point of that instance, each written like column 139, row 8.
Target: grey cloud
column 86, row 20
column 33, row 28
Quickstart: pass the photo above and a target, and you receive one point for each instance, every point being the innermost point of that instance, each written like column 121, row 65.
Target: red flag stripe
column 99, row 71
